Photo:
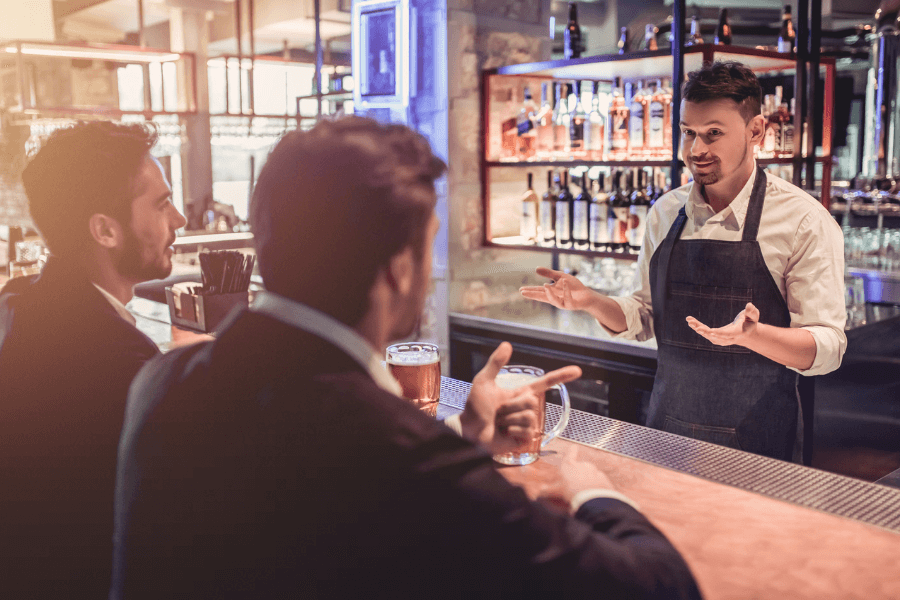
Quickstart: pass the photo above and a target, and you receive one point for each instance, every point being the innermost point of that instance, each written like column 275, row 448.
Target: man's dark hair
column 715, row 81
column 81, row 170
column 333, row 204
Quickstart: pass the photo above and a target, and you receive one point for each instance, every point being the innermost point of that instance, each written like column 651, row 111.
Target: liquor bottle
column 548, row 210
column 723, row 29
column 650, row 37
column 665, row 96
column 578, row 122
column 637, row 212
column 564, row 213
column 694, row 38
column 525, row 126
column 786, row 37
column 598, row 215
column 787, row 130
column 622, row 45
column 620, row 209
column 775, row 138
column 618, row 124
column 595, row 132
column 767, row 148
column 639, row 121
column 656, row 137
column 561, row 142
column 572, row 35
column 530, row 207
column 543, row 126
column 581, row 216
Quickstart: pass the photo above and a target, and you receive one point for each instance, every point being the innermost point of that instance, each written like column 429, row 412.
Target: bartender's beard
column 716, row 175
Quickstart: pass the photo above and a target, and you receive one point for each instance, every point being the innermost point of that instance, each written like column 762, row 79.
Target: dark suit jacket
column 267, row 464
column 66, row 361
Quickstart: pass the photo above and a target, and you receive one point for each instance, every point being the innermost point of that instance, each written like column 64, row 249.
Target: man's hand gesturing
column 565, row 292
column 502, row 419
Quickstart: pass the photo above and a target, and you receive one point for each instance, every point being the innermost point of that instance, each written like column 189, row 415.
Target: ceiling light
column 116, row 54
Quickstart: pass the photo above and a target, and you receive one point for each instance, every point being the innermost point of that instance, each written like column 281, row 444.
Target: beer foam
column 509, row 381
column 413, row 358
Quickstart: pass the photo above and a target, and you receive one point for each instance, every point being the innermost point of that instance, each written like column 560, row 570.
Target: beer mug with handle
column 513, row 376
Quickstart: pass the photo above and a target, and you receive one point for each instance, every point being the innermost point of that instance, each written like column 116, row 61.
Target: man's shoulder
column 797, row 198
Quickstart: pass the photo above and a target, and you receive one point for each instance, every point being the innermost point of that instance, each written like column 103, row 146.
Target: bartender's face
column 410, row 316
column 146, row 252
column 716, row 143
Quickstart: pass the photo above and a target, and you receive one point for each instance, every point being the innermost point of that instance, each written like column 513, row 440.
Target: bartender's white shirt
column 802, row 246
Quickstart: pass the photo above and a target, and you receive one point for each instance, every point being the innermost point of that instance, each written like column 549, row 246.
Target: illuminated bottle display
column 530, row 209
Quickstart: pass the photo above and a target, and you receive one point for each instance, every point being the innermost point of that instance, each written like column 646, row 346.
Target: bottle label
column 636, row 130
column 599, row 227
column 637, row 224
column 580, row 221
column 619, row 130
column 562, row 222
column 618, row 225
column 657, row 123
column 787, row 138
column 547, row 220
column 528, row 228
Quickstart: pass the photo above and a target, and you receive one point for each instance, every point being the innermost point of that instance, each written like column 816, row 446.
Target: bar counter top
column 749, row 527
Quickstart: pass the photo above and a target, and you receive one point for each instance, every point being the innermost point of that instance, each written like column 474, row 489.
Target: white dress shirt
column 801, row 243
column 120, row 308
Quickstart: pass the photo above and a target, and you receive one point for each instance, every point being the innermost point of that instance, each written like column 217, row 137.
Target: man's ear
column 401, row 271
column 106, row 231
column 757, row 127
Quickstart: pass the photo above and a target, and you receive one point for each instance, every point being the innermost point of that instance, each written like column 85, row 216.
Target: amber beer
column 417, row 367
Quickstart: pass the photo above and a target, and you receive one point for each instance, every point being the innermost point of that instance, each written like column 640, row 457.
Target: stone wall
column 484, row 34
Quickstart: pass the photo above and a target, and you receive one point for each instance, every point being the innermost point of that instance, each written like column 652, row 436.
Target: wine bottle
column 577, row 124
column 620, row 208
column 595, row 132
column 723, row 29
column 581, row 216
column 637, row 211
column 525, row 126
column 786, row 36
column 598, row 216
column 638, row 121
column 572, row 47
column 650, row 37
column 530, row 208
column 548, row 210
column 623, row 40
column 656, row 136
column 543, row 125
column 695, row 37
column 564, row 213
column 561, row 141
column 618, row 124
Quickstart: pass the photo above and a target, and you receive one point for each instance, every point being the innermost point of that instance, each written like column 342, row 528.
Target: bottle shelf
column 579, row 163
column 517, row 243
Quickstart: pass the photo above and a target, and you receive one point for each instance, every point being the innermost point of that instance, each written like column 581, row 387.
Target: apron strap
column 665, row 253
column 754, row 208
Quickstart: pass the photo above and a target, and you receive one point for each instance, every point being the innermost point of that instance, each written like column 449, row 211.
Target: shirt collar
column 738, row 207
column 120, row 308
column 328, row 328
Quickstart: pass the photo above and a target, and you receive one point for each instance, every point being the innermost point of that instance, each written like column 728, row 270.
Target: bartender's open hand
column 565, row 292
column 502, row 419
column 738, row 332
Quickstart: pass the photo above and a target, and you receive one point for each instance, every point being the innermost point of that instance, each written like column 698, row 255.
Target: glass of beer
column 514, row 376
column 418, row 369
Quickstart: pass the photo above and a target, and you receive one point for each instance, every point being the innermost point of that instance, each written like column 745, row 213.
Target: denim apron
column 726, row 395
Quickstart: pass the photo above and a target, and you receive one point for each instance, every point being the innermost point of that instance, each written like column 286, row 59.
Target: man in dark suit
column 279, row 462
column 69, row 350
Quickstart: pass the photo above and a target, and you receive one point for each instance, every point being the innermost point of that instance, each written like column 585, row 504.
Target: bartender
column 741, row 282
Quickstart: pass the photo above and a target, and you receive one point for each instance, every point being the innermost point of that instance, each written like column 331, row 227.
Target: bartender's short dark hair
column 733, row 80
column 81, row 170
column 335, row 203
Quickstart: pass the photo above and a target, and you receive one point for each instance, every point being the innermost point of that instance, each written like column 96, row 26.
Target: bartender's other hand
column 738, row 332
column 565, row 292
column 502, row 419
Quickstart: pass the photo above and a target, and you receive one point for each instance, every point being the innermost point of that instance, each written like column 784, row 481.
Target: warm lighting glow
column 94, row 53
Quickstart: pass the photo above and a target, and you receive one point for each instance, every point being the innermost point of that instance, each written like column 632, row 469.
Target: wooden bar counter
column 740, row 544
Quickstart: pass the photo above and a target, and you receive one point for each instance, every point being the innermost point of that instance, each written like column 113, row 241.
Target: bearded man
column 69, row 350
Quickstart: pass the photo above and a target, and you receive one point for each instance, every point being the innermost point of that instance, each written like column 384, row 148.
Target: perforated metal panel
column 868, row 502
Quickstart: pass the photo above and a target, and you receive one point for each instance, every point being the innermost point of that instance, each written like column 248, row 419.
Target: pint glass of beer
column 513, row 376
column 418, row 369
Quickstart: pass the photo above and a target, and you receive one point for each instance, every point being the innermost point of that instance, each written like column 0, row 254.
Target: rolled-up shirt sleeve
column 814, row 284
